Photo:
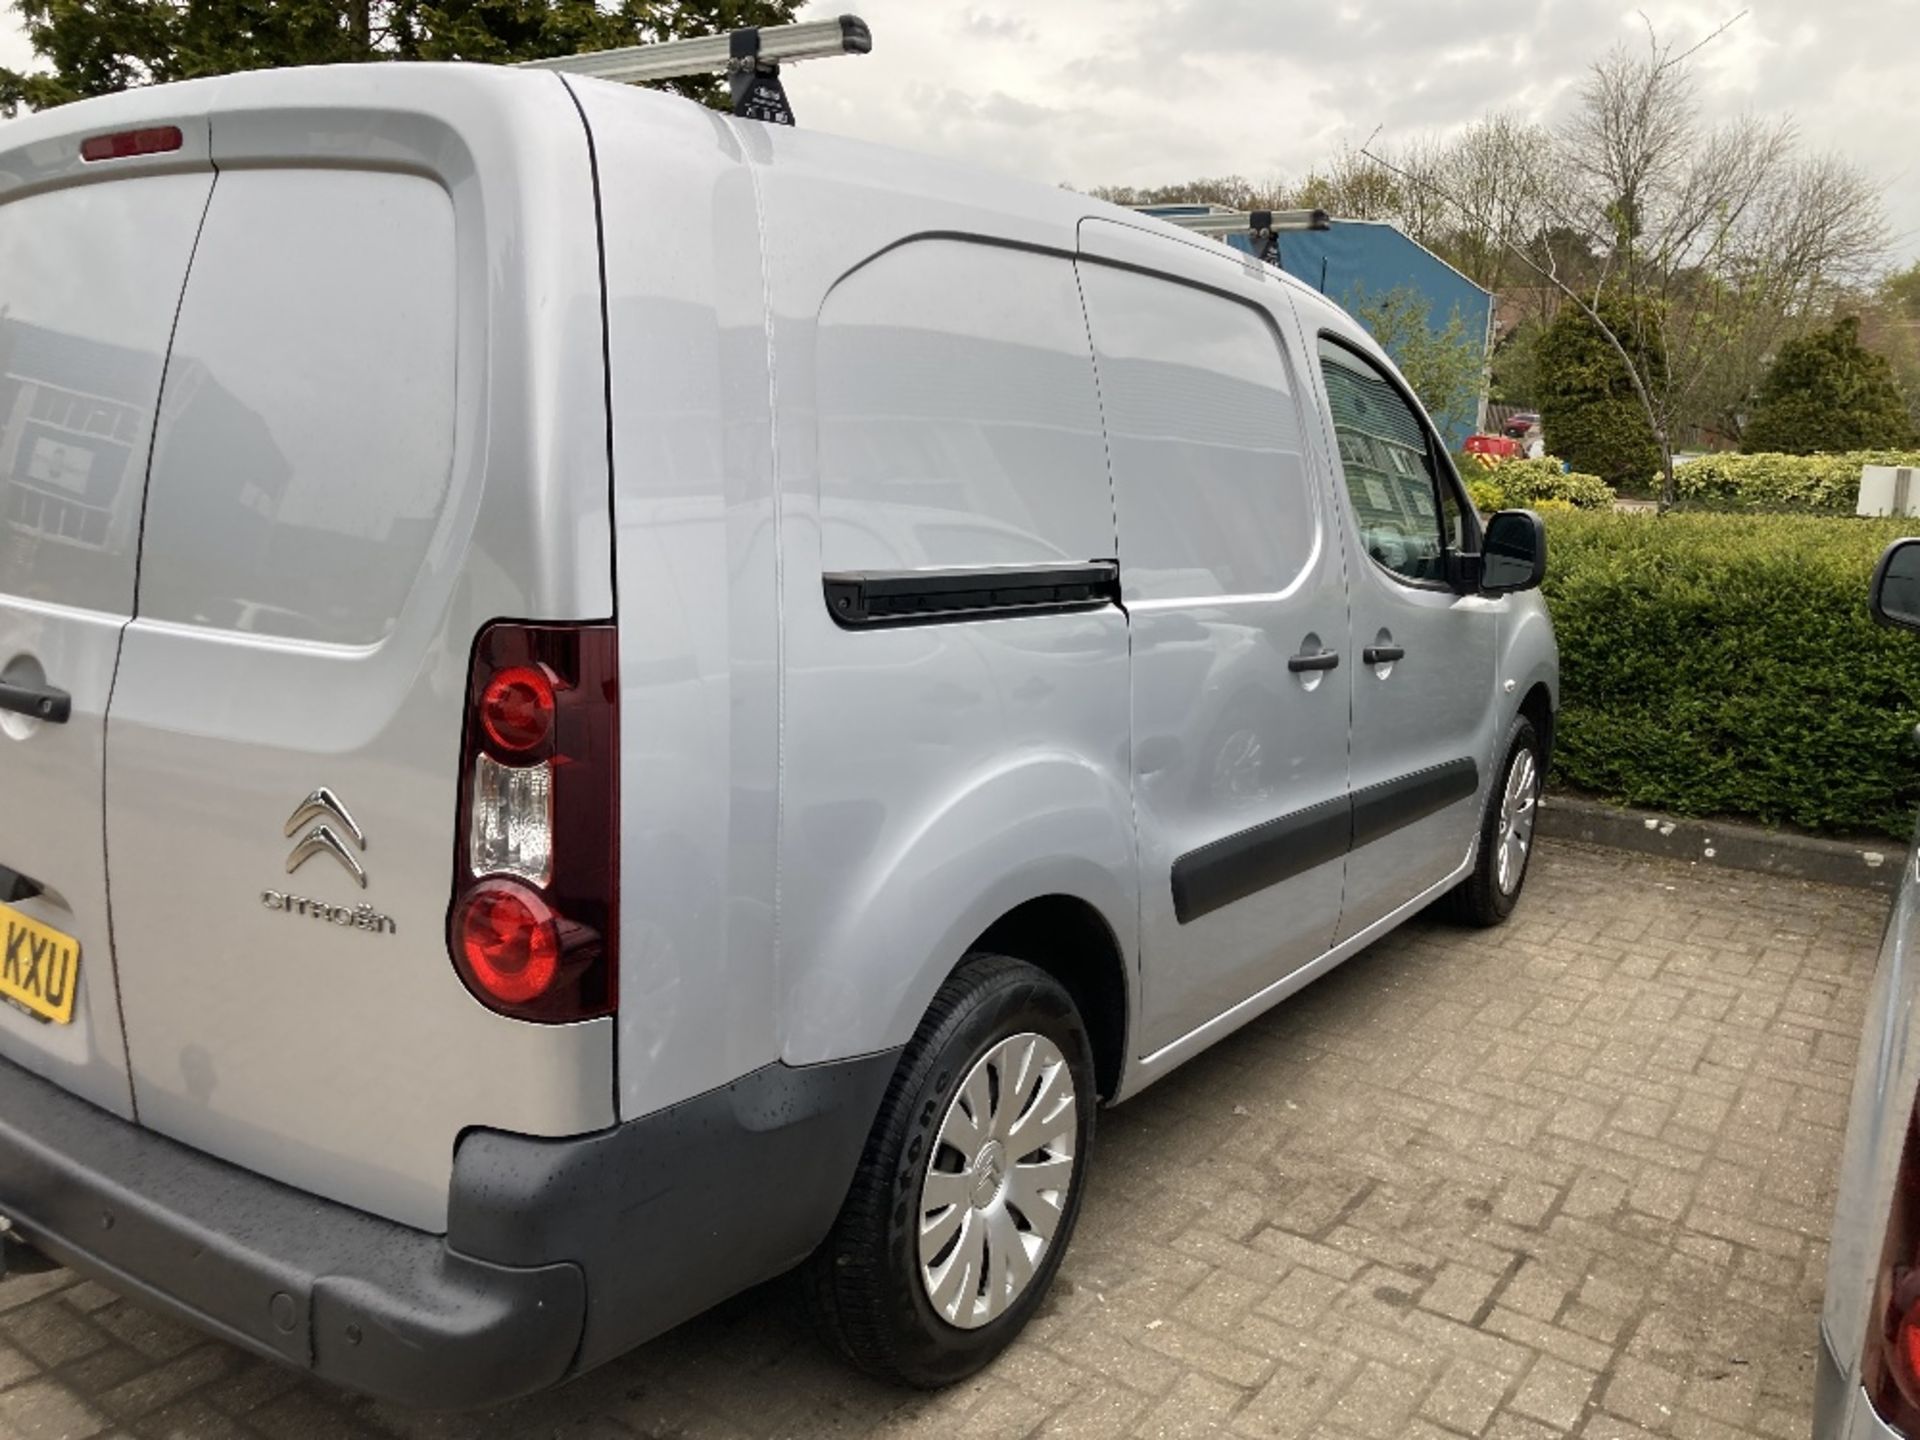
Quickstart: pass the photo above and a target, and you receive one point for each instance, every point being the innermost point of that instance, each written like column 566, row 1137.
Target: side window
column 1408, row 510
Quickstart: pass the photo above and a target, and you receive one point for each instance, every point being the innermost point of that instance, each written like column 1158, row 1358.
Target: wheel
column 1488, row 895
column 969, row 1185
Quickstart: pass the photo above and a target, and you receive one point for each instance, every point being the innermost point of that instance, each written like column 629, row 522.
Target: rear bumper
column 560, row 1253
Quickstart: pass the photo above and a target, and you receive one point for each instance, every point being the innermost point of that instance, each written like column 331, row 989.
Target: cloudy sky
column 1150, row 91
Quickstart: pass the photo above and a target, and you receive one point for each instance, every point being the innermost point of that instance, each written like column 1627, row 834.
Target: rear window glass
column 89, row 279
column 306, row 433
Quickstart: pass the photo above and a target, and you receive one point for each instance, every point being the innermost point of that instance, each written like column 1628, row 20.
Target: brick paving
column 1569, row 1177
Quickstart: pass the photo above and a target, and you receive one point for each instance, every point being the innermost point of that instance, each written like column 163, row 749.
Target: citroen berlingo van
column 600, row 700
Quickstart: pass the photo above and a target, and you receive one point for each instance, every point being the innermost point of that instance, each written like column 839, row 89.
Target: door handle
column 1382, row 654
column 1324, row 660
column 42, row 702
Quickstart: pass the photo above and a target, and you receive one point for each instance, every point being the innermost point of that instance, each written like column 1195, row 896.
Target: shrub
column 1587, row 401
column 1486, row 494
column 1725, row 665
column 1527, row 482
column 1501, row 484
column 1780, row 482
column 1827, row 391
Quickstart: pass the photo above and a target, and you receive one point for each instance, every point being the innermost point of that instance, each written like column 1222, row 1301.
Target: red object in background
column 1499, row 445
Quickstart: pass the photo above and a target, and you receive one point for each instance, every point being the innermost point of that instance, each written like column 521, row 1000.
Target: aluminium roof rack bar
column 1254, row 222
column 1263, row 227
column 751, row 60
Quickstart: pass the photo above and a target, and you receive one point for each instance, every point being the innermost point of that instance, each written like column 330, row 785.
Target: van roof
column 33, row 145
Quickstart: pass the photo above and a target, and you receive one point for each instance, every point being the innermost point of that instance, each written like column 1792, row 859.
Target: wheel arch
column 1071, row 940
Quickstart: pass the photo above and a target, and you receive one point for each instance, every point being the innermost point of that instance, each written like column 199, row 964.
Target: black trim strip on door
column 865, row 599
column 1381, row 809
column 1243, row 864
column 1227, row 870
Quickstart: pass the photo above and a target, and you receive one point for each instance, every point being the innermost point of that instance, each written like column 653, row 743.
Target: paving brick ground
column 1569, row 1177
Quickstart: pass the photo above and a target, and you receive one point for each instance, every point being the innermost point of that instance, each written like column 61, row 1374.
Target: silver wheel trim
column 997, row 1180
column 1518, row 806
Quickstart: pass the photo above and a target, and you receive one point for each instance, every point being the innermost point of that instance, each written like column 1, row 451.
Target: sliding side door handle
column 1320, row 660
column 1383, row 654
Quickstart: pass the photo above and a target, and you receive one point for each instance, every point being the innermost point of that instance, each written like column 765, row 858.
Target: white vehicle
column 599, row 700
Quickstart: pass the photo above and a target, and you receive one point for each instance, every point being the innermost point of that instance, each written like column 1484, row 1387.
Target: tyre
column 1488, row 895
column 969, row 1185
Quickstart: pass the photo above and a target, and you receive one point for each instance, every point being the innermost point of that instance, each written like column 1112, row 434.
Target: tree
column 96, row 47
column 1826, row 391
column 1589, row 407
column 1720, row 239
column 1890, row 326
column 1443, row 366
column 1236, row 192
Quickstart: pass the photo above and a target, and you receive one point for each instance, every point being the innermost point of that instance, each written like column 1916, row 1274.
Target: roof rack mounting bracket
column 754, row 82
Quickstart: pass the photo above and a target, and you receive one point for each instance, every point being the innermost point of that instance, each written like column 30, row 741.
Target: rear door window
column 306, row 436
column 90, row 277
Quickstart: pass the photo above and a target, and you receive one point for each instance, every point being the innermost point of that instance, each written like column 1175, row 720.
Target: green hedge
column 1725, row 665
column 1780, row 482
column 1528, row 482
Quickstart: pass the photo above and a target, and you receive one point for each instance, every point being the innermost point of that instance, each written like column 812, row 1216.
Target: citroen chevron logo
column 323, row 805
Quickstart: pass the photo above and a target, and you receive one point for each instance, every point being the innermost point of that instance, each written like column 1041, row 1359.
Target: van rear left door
column 92, row 258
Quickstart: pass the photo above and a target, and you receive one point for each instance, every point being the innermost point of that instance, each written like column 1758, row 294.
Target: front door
column 1423, row 677
column 1231, row 574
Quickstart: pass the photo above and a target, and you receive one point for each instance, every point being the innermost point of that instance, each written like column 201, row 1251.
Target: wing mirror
column 1894, row 597
column 1513, row 553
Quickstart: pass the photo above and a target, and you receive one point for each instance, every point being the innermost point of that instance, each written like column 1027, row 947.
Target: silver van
column 601, row 701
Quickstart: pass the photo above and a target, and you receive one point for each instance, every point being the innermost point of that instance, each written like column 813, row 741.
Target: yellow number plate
column 39, row 966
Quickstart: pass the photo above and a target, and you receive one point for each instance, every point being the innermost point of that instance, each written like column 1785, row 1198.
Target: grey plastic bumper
column 360, row 1301
column 560, row 1253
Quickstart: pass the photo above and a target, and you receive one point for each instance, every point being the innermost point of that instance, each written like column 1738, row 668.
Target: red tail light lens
column 516, row 709
column 534, row 921
column 1890, row 1369
column 156, row 140
column 509, row 941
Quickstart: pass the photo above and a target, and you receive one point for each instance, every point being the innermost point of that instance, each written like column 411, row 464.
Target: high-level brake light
column 125, row 144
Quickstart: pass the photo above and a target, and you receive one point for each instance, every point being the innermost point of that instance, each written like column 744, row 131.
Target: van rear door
column 92, row 258
column 383, row 427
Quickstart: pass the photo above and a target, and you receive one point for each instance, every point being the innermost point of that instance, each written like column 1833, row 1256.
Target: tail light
column 533, row 924
column 1890, row 1369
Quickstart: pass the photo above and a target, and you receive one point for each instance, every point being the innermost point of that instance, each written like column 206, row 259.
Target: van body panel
column 699, row 615
column 325, row 540
column 933, row 776
column 90, row 274
column 1230, row 565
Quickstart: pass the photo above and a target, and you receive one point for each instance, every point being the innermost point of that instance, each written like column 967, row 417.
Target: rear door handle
column 1382, row 654
column 1324, row 660
column 42, row 702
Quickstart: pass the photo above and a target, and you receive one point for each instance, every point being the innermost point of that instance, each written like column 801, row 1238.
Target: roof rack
column 1263, row 227
column 750, row 59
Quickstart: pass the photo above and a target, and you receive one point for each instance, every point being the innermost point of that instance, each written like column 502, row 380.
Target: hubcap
column 1517, row 807
column 997, row 1181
